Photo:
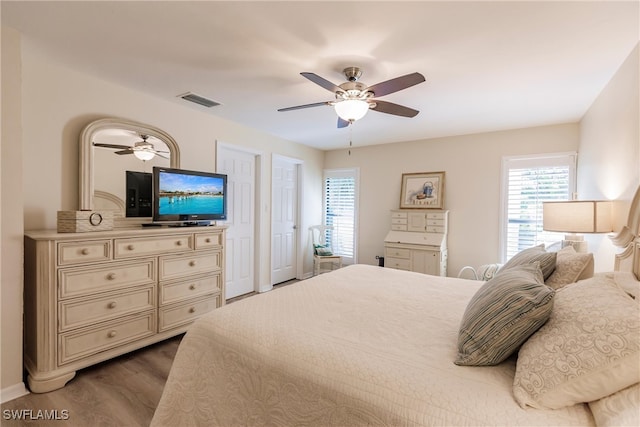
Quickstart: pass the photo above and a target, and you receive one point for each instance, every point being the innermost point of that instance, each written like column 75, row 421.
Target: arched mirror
column 113, row 150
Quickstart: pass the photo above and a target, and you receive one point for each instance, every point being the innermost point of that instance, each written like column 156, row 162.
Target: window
column 527, row 183
column 340, row 208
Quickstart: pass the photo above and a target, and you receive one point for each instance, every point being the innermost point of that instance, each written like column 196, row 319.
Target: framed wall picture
column 422, row 190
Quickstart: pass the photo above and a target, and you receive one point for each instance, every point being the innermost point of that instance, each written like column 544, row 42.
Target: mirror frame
column 86, row 164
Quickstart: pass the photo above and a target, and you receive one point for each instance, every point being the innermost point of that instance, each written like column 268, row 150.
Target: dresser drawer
column 208, row 240
column 85, row 281
column 70, row 253
column 436, row 222
column 176, row 315
column 75, row 345
column 178, row 267
column 179, row 291
column 73, row 313
column 402, row 221
column 436, row 215
column 396, row 215
column 432, row 229
column 397, row 253
column 397, row 263
column 140, row 246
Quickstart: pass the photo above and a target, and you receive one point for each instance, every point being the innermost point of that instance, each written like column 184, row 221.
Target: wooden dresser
column 93, row 296
column 417, row 241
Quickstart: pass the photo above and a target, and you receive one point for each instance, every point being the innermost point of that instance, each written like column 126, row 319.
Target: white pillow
column 619, row 409
column 589, row 348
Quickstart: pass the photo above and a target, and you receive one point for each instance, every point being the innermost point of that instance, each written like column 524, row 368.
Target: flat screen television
column 187, row 197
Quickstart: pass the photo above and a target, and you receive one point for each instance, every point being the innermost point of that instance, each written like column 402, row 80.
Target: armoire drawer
column 176, row 315
column 179, row 291
column 140, row 246
column 78, row 344
column 76, row 281
column 75, row 313
column 181, row 266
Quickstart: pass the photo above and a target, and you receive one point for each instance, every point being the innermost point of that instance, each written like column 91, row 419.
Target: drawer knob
column 192, row 310
column 178, row 242
column 111, row 276
column 192, row 263
column 84, row 251
column 192, row 286
column 130, row 247
column 207, row 240
column 112, row 334
column 112, row 304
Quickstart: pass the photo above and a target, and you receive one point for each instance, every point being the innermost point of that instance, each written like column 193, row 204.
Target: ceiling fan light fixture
column 144, row 155
column 351, row 109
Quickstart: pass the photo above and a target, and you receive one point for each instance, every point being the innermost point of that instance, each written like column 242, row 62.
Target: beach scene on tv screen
column 190, row 194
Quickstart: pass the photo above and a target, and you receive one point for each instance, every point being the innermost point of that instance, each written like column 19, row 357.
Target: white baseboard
column 13, row 392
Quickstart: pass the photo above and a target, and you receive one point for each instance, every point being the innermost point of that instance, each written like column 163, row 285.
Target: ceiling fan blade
column 395, row 109
column 127, row 151
column 299, row 107
column 95, row 144
column 161, row 155
column 322, row 82
column 342, row 123
column 395, row 85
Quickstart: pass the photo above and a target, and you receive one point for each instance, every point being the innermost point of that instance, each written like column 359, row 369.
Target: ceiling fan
column 354, row 98
column 143, row 150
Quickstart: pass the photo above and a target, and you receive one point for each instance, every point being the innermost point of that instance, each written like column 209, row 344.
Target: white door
column 284, row 184
column 240, row 168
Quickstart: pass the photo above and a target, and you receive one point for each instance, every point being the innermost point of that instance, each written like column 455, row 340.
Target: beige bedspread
column 363, row 345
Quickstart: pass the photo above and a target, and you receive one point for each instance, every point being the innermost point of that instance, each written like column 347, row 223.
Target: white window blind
column 340, row 203
column 528, row 182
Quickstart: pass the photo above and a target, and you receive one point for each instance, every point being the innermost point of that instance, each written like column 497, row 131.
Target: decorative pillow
column 571, row 266
column 619, row 409
column 588, row 349
column 322, row 250
column 546, row 259
column 502, row 314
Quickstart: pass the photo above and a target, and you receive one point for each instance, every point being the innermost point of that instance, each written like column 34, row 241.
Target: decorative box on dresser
column 417, row 241
column 93, row 296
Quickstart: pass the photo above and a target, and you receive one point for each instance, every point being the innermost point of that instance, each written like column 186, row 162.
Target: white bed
column 366, row 345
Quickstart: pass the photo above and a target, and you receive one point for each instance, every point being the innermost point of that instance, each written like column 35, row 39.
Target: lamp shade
column 577, row 216
column 144, row 155
column 351, row 109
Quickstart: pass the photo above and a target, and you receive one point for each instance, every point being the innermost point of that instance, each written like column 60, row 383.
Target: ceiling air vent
column 192, row 97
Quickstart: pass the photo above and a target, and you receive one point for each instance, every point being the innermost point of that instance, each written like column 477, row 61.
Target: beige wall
column 609, row 161
column 472, row 164
column 57, row 102
column 11, row 222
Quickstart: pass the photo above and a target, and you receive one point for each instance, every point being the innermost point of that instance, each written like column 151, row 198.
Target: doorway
column 240, row 168
column 285, row 218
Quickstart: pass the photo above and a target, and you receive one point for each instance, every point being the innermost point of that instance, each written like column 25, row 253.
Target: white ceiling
column 489, row 65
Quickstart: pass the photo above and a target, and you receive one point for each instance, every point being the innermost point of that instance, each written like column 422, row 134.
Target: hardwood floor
column 121, row 392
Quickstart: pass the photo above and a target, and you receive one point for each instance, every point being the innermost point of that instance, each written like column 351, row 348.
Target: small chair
column 322, row 252
column 484, row 272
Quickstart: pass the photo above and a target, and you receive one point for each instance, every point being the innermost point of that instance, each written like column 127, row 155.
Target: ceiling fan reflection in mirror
column 354, row 98
column 143, row 150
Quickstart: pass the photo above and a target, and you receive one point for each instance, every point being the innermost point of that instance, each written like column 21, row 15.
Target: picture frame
column 422, row 190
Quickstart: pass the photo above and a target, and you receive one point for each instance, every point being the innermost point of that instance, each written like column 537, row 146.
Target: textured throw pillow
column 502, row 314
column 546, row 259
column 322, row 250
column 589, row 348
column 571, row 266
